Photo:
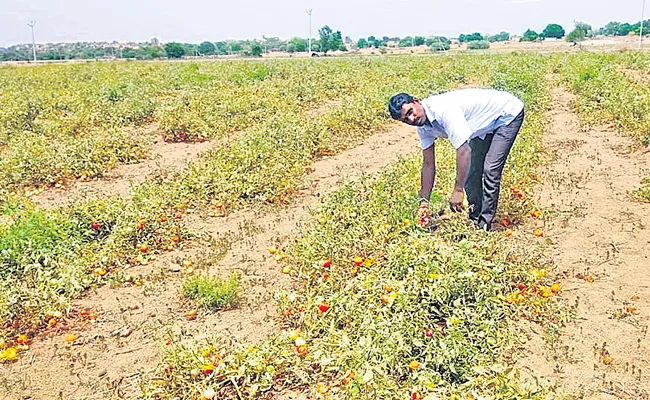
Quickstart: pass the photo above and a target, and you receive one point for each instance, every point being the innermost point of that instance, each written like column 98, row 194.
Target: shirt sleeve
column 426, row 138
column 455, row 125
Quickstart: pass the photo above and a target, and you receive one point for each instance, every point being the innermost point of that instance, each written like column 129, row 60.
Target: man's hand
column 422, row 215
column 456, row 200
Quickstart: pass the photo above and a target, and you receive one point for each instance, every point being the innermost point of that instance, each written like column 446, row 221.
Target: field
column 246, row 229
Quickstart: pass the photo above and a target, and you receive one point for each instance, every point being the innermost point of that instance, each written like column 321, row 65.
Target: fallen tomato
column 95, row 225
column 302, row 350
column 323, row 307
column 555, row 288
column 22, row 339
column 70, row 338
column 9, row 354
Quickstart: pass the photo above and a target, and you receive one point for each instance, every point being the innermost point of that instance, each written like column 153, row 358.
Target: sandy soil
column 601, row 246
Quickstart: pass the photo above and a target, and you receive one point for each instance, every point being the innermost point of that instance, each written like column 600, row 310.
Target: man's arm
column 463, row 161
column 428, row 175
column 459, row 131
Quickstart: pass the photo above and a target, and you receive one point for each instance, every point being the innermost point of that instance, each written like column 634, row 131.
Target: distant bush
column 440, row 43
column 478, row 45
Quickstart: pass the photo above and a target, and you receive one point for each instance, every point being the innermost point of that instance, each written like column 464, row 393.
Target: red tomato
column 323, row 307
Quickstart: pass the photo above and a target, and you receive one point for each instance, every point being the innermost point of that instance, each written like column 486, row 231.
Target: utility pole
column 641, row 26
column 31, row 25
column 309, row 13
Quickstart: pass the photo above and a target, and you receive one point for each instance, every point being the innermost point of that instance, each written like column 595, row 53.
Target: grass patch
column 212, row 293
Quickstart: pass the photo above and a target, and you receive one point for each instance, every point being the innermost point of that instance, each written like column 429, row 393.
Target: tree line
column 328, row 39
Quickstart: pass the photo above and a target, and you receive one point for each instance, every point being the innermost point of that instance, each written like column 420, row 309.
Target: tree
column 529, row 36
column 337, row 42
column 439, row 43
column 611, row 29
column 576, row 35
column 580, row 32
column 418, row 40
column 256, row 50
column 635, row 28
column 207, row 48
column 478, row 45
column 299, row 44
column 406, row 42
column 156, row 51
column 499, row 37
column 221, row 48
column 325, row 34
column 470, row 37
column 174, row 50
column 624, row 29
column 553, row 31
column 362, row 43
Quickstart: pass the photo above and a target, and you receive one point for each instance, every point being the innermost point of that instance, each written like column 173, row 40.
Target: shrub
column 478, row 45
column 440, row 44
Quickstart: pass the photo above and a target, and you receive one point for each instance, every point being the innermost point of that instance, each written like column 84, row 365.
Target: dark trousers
column 489, row 156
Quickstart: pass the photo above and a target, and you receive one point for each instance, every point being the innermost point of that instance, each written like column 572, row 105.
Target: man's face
column 413, row 114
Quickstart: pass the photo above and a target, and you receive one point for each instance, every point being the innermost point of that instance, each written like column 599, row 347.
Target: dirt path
column 601, row 243
column 124, row 342
column 118, row 181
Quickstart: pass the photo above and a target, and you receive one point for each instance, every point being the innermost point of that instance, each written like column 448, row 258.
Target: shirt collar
column 431, row 116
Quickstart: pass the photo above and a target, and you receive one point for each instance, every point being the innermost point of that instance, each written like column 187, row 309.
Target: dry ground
column 601, row 247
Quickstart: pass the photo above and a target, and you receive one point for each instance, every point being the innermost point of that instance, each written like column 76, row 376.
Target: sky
column 194, row 21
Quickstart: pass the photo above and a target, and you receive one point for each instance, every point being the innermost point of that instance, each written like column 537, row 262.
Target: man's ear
column 416, row 101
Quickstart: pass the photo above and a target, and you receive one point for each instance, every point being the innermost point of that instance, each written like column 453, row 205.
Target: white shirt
column 465, row 114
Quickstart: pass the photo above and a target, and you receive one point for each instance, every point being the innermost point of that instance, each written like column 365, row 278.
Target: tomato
column 323, row 307
column 22, row 340
column 144, row 248
column 428, row 333
column 327, row 263
column 414, row 365
column 555, row 288
column 302, row 350
column 207, row 368
column 358, row 260
column 95, row 225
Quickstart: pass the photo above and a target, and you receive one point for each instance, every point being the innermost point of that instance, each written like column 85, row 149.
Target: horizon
column 75, row 21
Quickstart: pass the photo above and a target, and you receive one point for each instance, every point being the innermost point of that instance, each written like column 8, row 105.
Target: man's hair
column 396, row 102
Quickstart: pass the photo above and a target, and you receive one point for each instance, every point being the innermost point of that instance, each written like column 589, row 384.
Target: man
column 482, row 125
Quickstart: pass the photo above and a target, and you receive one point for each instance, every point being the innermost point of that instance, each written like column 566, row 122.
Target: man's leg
column 474, row 184
column 495, row 160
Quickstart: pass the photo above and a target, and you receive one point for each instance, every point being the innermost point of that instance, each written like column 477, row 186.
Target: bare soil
column 118, row 181
column 601, row 246
column 124, row 343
